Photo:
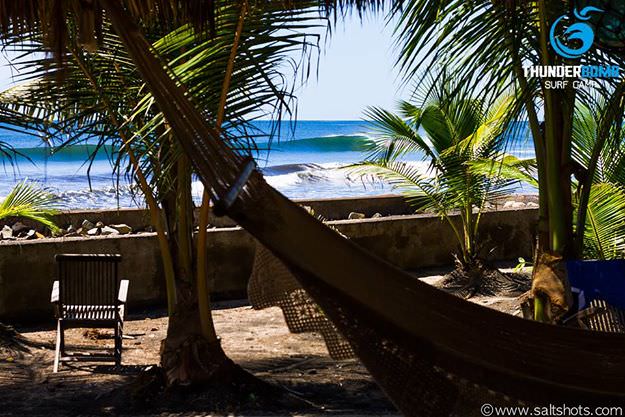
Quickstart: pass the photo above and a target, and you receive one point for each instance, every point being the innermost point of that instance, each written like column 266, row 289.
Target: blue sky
column 355, row 71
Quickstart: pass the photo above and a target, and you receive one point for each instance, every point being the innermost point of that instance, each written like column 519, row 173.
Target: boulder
column 87, row 225
column 355, row 216
column 99, row 225
column 123, row 229
column 6, row 232
column 514, row 204
column 376, row 216
column 106, row 230
column 94, row 231
column 19, row 227
column 31, row 234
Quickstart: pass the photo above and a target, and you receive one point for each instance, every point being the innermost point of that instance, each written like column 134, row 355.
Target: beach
column 303, row 160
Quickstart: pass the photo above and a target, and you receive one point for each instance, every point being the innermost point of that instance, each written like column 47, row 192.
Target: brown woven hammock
column 432, row 353
column 272, row 284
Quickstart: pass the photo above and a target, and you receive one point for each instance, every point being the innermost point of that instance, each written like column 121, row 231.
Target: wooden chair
column 89, row 294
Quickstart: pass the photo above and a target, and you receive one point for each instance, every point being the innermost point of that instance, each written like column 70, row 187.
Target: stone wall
column 27, row 268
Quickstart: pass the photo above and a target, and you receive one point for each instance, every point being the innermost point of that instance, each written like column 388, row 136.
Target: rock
column 32, row 234
column 6, row 232
column 19, row 227
column 87, row 225
column 514, row 204
column 70, row 229
column 355, row 216
column 99, row 225
column 123, row 229
column 106, row 230
column 94, row 231
column 376, row 216
column 532, row 204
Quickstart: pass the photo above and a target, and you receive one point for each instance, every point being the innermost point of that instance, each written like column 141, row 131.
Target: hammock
column 273, row 285
column 432, row 353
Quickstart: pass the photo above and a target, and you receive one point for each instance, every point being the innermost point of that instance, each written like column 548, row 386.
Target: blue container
column 592, row 280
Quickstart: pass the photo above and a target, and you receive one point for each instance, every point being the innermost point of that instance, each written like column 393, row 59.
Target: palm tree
column 232, row 75
column 485, row 45
column 458, row 131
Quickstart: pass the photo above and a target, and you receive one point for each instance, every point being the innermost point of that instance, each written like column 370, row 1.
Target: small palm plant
column 457, row 130
column 27, row 200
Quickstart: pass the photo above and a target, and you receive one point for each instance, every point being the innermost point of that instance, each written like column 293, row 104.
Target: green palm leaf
column 29, row 201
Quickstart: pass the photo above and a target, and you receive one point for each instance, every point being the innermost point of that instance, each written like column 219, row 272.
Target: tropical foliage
column 604, row 230
column 486, row 45
column 29, row 201
column 459, row 130
column 234, row 75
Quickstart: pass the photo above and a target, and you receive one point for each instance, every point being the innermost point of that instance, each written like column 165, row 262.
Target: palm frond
column 605, row 226
column 32, row 202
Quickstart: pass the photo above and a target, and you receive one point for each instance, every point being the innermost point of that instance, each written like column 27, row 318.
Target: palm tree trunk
column 191, row 352
column 208, row 328
column 556, row 186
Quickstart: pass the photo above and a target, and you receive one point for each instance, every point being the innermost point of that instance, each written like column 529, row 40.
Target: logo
column 580, row 31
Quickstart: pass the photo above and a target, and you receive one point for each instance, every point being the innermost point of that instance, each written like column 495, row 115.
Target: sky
column 356, row 70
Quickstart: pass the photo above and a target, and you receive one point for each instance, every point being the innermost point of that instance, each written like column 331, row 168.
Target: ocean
column 305, row 161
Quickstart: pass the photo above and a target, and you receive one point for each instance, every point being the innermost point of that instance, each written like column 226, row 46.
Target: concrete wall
column 27, row 268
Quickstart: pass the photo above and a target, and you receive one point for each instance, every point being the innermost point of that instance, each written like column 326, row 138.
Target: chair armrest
column 54, row 297
column 123, row 290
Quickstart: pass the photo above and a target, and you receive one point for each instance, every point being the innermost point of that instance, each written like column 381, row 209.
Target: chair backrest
column 88, row 279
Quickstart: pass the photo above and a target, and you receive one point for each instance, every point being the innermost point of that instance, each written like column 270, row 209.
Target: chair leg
column 62, row 339
column 118, row 344
column 57, row 351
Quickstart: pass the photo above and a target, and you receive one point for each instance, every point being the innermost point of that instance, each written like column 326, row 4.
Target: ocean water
column 306, row 160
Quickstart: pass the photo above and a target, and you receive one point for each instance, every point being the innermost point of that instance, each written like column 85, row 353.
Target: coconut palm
column 458, row 130
column 345, row 280
column 604, row 229
column 234, row 75
column 485, row 45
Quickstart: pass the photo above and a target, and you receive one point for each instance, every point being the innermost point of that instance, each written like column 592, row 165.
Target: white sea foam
column 323, row 181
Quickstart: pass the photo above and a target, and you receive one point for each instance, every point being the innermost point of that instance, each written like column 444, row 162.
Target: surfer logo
column 580, row 30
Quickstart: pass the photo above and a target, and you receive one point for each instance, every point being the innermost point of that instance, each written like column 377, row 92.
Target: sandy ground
column 257, row 340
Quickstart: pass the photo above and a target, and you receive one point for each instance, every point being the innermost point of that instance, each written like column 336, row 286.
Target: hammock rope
column 432, row 353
